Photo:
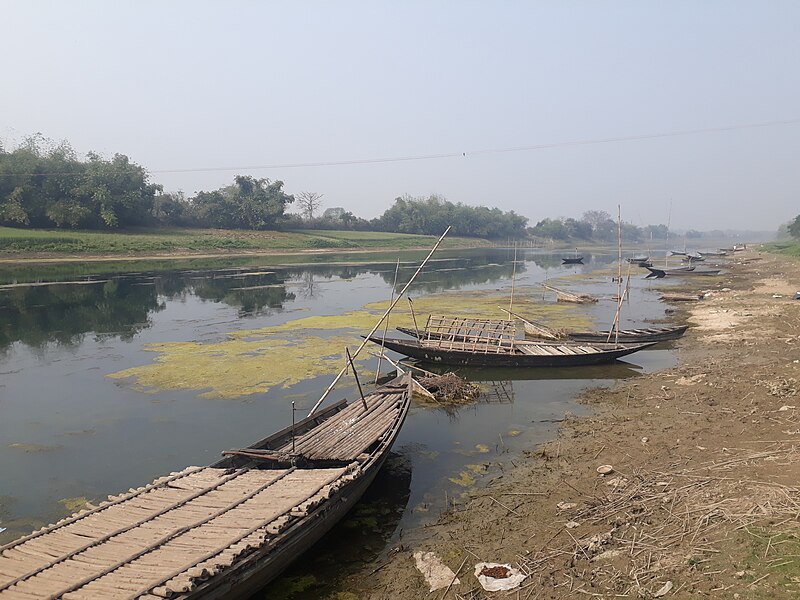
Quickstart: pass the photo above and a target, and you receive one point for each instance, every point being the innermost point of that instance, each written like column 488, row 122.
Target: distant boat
column 693, row 258
column 578, row 260
column 677, row 253
column 682, row 271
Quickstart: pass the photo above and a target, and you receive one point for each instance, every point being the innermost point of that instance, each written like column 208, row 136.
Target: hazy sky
column 193, row 85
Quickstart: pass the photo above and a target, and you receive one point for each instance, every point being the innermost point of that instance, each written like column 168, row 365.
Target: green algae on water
column 74, row 504
column 254, row 361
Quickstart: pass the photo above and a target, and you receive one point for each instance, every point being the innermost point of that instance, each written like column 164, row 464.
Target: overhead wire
column 462, row 154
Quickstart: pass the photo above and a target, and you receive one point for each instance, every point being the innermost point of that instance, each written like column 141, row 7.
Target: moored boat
column 218, row 531
column 463, row 352
column 644, row 334
column 578, row 260
column 626, row 336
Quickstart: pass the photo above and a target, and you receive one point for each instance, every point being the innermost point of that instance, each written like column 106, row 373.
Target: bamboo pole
column 513, row 277
column 619, row 272
column 378, row 324
column 355, row 374
column 414, row 317
column 386, row 323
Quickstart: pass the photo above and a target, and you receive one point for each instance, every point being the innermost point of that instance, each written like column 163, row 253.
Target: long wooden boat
column 626, row 336
column 517, row 354
column 221, row 531
column 665, row 271
column 645, row 334
column 578, row 260
column 685, row 272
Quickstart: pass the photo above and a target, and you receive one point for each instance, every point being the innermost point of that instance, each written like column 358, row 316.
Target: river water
column 77, row 424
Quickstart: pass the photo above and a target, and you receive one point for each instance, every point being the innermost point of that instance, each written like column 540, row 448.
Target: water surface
column 69, row 432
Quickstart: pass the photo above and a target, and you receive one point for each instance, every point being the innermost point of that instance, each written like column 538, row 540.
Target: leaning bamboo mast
column 615, row 324
column 513, row 277
column 619, row 271
column 378, row 324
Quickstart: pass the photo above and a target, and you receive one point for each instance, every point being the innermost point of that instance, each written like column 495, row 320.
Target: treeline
column 53, row 188
column 598, row 226
column 44, row 185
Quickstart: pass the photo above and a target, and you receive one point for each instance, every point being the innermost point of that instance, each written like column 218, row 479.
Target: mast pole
column 513, row 277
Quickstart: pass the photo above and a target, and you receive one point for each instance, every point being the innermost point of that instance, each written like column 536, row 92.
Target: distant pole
column 619, row 268
column 513, row 277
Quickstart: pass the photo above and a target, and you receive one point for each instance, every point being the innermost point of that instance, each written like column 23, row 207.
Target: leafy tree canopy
column 433, row 214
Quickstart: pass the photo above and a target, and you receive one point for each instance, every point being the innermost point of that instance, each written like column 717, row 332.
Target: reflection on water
column 69, row 432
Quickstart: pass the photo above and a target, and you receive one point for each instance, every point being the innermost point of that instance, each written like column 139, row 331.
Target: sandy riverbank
column 704, row 498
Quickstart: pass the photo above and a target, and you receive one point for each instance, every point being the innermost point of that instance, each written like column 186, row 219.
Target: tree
column 247, row 204
column 433, row 214
column 309, row 203
column 596, row 218
column 794, row 228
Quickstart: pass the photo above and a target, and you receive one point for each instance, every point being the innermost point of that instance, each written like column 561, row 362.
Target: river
column 110, row 377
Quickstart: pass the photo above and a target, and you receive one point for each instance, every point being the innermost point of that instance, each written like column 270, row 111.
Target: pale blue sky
column 183, row 85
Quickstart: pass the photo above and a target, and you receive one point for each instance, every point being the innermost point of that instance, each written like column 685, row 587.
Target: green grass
column 42, row 242
column 785, row 247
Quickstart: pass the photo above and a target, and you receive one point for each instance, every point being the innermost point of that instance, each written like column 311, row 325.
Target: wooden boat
column 677, row 253
column 221, row 531
column 640, row 261
column 645, row 334
column 464, row 352
column 715, row 254
column 626, row 336
column 578, row 260
column 664, row 271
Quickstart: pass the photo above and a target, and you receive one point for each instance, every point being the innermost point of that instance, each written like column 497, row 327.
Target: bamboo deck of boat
column 177, row 533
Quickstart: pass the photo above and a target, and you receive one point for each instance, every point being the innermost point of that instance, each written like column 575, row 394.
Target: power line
column 463, row 154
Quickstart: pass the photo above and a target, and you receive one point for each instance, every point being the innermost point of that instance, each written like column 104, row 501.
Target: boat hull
column 262, row 567
column 628, row 336
column 413, row 349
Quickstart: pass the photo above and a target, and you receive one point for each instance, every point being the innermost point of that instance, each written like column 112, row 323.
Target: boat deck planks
column 180, row 531
column 147, row 538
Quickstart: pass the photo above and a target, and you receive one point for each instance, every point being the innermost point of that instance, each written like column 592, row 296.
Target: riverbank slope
column 64, row 246
column 703, row 499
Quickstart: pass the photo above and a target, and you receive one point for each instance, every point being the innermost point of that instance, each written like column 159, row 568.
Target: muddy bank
column 703, row 499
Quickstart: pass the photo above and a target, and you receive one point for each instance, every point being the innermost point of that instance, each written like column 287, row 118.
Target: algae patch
column 256, row 360
column 237, row 367
column 464, row 479
column 74, row 504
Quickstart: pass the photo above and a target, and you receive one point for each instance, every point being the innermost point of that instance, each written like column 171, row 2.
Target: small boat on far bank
column 578, row 260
